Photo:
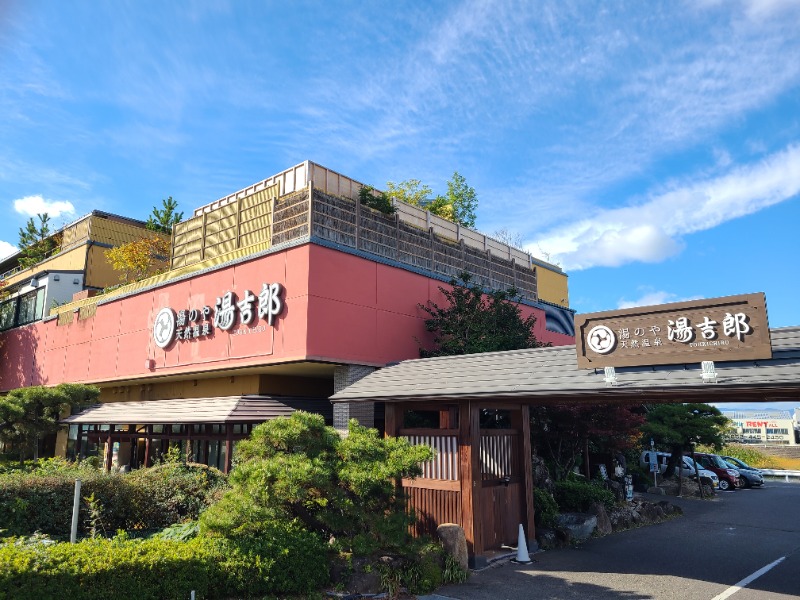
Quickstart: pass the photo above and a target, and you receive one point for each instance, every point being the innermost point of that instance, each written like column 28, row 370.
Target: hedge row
column 145, row 499
column 285, row 560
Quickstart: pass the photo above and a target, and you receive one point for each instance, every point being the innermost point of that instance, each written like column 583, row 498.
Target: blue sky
column 650, row 148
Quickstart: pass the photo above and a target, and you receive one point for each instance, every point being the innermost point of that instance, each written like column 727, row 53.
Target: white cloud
column 652, row 231
column 6, row 249
column 33, row 205
column 651, row 298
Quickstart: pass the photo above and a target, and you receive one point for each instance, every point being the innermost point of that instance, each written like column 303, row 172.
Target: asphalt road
column 714, row 546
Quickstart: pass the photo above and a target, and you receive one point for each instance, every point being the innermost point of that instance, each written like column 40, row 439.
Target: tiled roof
column 225, row 409
column 539, row 375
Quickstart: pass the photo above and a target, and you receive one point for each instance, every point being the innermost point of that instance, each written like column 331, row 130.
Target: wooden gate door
column 502, row 505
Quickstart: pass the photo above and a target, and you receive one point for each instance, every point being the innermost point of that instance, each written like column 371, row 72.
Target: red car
column 728, row 477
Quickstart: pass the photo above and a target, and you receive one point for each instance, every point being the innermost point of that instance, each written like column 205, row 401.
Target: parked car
column 728, row 477
column 687, row 468
column 706, row 476
column 750, row 476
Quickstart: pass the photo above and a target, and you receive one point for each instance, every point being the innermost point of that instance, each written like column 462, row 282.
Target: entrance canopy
column 551, row 375
column 225, row 409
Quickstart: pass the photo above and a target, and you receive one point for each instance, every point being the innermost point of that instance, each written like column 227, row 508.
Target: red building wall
column 337, row 307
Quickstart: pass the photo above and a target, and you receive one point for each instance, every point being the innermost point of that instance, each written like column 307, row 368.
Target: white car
column 687, row 466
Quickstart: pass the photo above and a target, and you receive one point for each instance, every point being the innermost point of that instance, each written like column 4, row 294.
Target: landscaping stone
column 616, row 488
column 656, row 490
column 365, row 578
column 553, row 538
column 603, row 521
column 455, row 542
column 580, row 525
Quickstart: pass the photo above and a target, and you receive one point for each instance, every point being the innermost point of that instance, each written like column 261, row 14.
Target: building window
column 22, row 310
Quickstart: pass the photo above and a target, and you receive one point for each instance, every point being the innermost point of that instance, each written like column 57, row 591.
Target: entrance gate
column 480, row 478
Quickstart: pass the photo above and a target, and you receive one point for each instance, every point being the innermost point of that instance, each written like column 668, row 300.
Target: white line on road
column 747, row 580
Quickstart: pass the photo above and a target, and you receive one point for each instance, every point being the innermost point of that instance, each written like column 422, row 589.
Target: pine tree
column 35, row 241
column 163, row 219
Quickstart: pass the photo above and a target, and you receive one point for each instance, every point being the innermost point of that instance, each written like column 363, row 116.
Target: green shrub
column 751, row 456
column 287, row 560
column 41, row 499
column 545, row 507
column 299, row 468
column 578, row 496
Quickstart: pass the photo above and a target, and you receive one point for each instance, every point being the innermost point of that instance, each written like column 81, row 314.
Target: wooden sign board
column 719, row 329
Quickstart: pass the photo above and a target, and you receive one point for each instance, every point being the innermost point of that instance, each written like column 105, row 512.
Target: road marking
column 747, row 580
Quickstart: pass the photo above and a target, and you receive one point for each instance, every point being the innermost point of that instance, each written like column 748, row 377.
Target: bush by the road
column 578, row 496
column 285, row 560
column 41, row 499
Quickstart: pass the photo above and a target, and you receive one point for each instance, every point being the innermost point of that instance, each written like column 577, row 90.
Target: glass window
column 7, row 310
column 31, row 306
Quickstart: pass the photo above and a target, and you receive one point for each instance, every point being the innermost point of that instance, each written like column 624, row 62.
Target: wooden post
column 448, row 417
column 587, row 469
column 469, row 438
column 228, row 446
column 431, row 240
column 203, row 236
column 147, row 431
column 109, row 449
column 397, row 236
column 391, row 417
column 527, row 471
column 358, row 224
column 79, row 443
column 310, row 207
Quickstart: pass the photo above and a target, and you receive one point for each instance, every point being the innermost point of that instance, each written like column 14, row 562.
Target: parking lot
column 702, row 555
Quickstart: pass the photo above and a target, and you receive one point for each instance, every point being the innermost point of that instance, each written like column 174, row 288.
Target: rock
column 579, row 525
column 546, row 538
column 650, row 513
column 669, row 508
column 620, row 517
column 656, row 490
column 454, row 542
column 366, row 578
column 603, row 521
column 616, row 488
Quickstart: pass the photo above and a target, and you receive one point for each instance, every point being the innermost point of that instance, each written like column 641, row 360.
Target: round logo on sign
column 164, row 327
column 601, row 339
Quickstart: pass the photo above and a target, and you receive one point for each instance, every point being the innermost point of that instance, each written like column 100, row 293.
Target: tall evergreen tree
column 35, row 241
column 164, row 218
column 476, row 322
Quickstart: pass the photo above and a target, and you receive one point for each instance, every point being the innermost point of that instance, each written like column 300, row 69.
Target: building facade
column 759, row 426
column 278, row 296
column 77, row 266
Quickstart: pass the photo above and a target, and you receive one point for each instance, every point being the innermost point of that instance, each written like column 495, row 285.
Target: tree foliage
column 139, row 258
column 677, row 426
column 163, row 219
column 369, row 196
column 474, row 321
column 683, row 424
column 559, row 433
column 463, row 200
column 28, row 414
column 298, row 469
column 458, row 204
column 410, row 191
column 35, row 241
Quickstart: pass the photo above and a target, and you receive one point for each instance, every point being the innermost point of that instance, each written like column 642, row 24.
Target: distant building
column 763, row 426
column 76, row 268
